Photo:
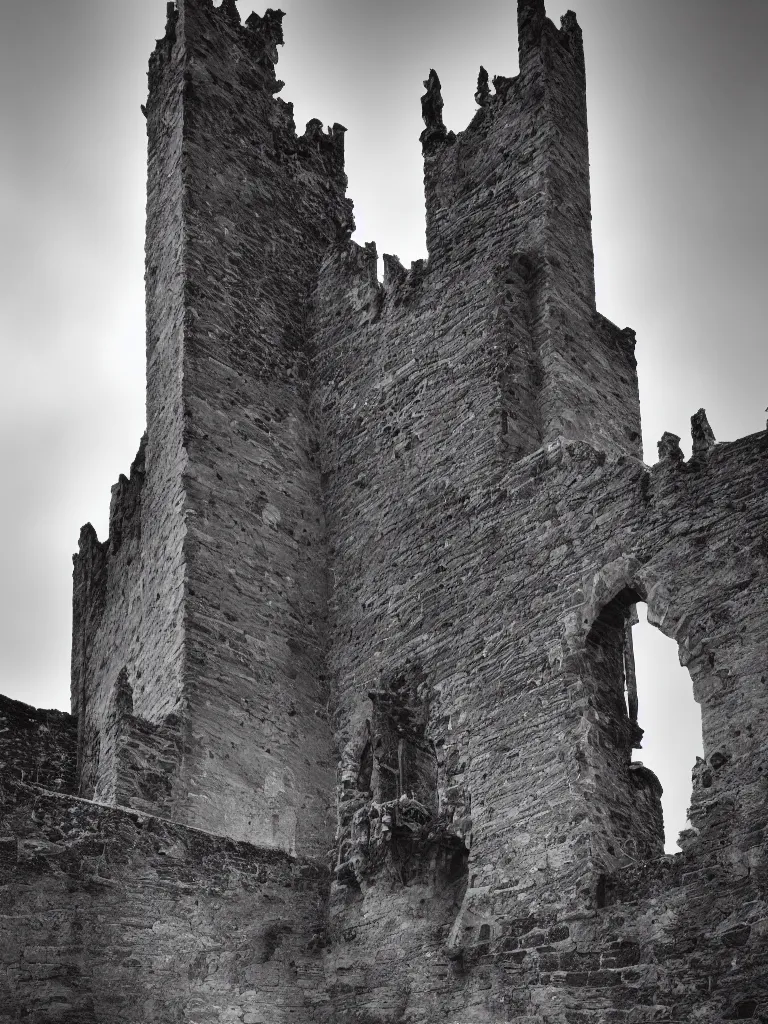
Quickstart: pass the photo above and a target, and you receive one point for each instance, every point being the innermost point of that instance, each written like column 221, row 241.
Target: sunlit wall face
column 677, row 91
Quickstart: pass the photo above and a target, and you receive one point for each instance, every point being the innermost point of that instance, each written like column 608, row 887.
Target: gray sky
column 677, row 93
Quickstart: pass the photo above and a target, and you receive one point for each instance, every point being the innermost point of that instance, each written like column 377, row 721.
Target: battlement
column 265, row 32
column 535, row 31
column 523, row 157
column 533, row 26
column 220, row 44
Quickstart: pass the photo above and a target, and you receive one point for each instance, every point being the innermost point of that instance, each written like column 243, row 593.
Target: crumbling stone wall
column 430, row 384
column 122, row 917
column 38, row 747
column 463, row 544
column 570, row 910
column 508, row 198
column 108, row 634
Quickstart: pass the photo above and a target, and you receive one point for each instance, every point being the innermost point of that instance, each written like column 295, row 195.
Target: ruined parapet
column 101, row 893
column 89, row 580
column 37, row 747
column 138, row 760
column 108, row 611
column 702, row 435
column 125, row 504
column 516, row 180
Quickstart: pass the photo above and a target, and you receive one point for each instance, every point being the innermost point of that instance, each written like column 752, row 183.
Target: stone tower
column 212, row 612
column 352, row 674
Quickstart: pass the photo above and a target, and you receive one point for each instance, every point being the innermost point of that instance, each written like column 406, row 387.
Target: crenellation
column 432, row 112
column 702, row 435
column 669, row 448
column 161, row 55
column 394, row 272
column 571, row 34
column 531, row 19
column 483, row 92
column 354, row 697
column 125, row 504
column 268, row 27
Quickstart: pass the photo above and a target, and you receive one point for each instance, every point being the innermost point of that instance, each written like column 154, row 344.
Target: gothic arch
column 622, row 796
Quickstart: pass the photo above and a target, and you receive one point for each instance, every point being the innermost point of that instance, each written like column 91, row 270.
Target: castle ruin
column 353, row 704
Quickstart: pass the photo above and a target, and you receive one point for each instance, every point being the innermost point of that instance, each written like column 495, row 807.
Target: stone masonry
column 353, row 696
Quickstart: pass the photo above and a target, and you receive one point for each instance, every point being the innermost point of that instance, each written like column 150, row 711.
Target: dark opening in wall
column 366, row 769
column 650, row 718
column 671, row 720
column 404, row 760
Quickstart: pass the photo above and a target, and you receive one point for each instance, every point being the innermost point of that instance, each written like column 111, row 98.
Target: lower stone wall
column 685, row 941
column 38, row 747
column 682, row 939
column 115, row 917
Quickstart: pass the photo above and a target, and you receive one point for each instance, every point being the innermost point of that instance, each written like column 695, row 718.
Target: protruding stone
column 501, row 84
column 526, row 8
column 483, row 91
column 268, row 29
column 531, row 16
column 702, row 434
column 394, row 271
column 229, row 8
column 572, row 35
column 669, row 448
column 432, row 103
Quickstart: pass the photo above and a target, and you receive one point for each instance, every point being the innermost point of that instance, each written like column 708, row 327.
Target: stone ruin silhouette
column 349, row 737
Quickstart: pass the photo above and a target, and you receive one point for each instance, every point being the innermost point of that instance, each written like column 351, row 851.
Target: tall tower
column 440, row 393
column 312, row 433
column 199, row 665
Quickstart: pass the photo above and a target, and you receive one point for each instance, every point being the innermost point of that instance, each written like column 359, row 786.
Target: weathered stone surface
column 534, row 739
column 216, row 612
column 398, row 528
column 38, row 747
column 123, row 917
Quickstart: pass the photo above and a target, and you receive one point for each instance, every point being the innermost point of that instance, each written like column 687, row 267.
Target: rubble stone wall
column 120, row 917
column 398, row 529
column 38, row 747
column 567, row 909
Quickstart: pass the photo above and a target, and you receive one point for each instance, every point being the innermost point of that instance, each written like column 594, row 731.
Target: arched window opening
column 671, row 721
column 649, row 725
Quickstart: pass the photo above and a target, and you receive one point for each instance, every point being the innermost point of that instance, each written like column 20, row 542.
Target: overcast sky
column 677, row 94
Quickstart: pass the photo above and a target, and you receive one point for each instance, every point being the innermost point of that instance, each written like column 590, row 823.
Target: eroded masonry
column 353, row 715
